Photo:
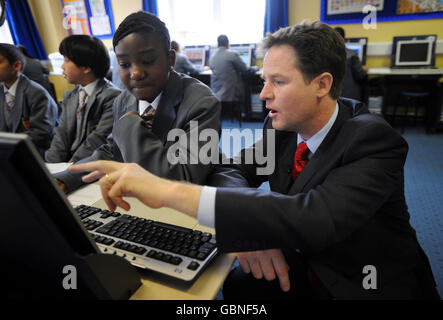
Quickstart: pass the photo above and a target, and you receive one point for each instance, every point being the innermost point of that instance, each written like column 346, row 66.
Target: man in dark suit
column 153, row 90
column 335, row 225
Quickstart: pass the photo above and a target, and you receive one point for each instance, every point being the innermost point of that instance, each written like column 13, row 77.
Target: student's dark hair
column 175, row 46
column 222, row 41
column 24, row 51
column 12, row 53
column 143, row 22
column 340, row 31
column 318, row 49
column 86, row 51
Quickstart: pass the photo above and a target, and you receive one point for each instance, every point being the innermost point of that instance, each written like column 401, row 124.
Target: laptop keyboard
column 174, row 251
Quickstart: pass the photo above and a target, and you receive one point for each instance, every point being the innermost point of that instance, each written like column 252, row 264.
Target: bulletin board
column 91, row 17
column 350, row 11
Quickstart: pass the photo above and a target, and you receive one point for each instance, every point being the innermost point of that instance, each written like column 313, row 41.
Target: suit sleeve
column 189, row 68
column 352, row 193
column 148, row 150
column 59, row 149
column 104, row 128
column 42, row 118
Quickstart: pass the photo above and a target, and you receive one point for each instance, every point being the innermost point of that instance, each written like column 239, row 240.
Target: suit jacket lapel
column 166, row 113
column 17, row 112
column 282, row 180
column 317, row 160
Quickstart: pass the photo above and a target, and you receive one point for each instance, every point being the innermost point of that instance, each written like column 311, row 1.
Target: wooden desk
column 155, row 287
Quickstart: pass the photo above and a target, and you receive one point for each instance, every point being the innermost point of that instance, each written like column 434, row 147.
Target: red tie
column 300, row 159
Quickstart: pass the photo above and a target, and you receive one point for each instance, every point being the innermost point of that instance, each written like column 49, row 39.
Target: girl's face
column 143, row 64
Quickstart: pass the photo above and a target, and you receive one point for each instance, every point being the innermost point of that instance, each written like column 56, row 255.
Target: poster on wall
column 76, row 17
column 352, row 6
column 100, row 22
column 419, row 6
column 90, row 17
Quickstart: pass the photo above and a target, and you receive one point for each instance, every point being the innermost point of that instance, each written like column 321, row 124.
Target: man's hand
column 267, row 263
column 118, row 180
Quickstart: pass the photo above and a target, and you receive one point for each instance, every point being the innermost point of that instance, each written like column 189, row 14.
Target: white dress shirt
column 143, row 104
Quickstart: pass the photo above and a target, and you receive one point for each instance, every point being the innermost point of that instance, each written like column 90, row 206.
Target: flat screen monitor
column 245, row 51
column 359, row 45
column 41, row 232
column 417, row 51
column 197, row 55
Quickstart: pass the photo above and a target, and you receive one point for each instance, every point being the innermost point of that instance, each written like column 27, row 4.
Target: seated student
column 355, row 75
column 86, row 118
column 182, row 63
column 25, row 106
column 36, row 71
column 336, row 224
column 156, row 100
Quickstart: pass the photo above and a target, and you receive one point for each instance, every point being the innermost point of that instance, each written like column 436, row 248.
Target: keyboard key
column 176, row 261
column 193, row 265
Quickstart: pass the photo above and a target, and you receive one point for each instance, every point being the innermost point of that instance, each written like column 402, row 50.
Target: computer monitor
column 413, row 51
column 42, row 235
column 197, row 55
column 359, row 45
column 245, row 51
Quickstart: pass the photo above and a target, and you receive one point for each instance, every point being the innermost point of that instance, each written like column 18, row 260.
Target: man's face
column 8, row 72
column 290, row 100
column 143, row 65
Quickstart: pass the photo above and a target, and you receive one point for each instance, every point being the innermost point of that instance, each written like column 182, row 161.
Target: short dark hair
column 318, row 49
column 143, row 22
column 223, row 41
column 12, row 54
column 86, row 51
column 340, row 31
column 175, row 46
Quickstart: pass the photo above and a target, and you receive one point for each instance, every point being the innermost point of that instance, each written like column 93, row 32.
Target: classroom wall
column 302, row 9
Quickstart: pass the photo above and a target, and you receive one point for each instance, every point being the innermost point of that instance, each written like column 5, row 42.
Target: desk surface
column 412, row 71
column 154, row 287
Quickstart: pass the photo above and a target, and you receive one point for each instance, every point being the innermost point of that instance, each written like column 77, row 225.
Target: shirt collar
column 143, row 104
column 315, row 141
column 89, row 89
column 13, row 89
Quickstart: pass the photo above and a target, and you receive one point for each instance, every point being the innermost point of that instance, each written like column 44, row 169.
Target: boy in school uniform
column 25, row 106
column 156, row 100
column 86, row 118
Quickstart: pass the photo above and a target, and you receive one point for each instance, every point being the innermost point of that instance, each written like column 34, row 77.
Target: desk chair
column 411, row 100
